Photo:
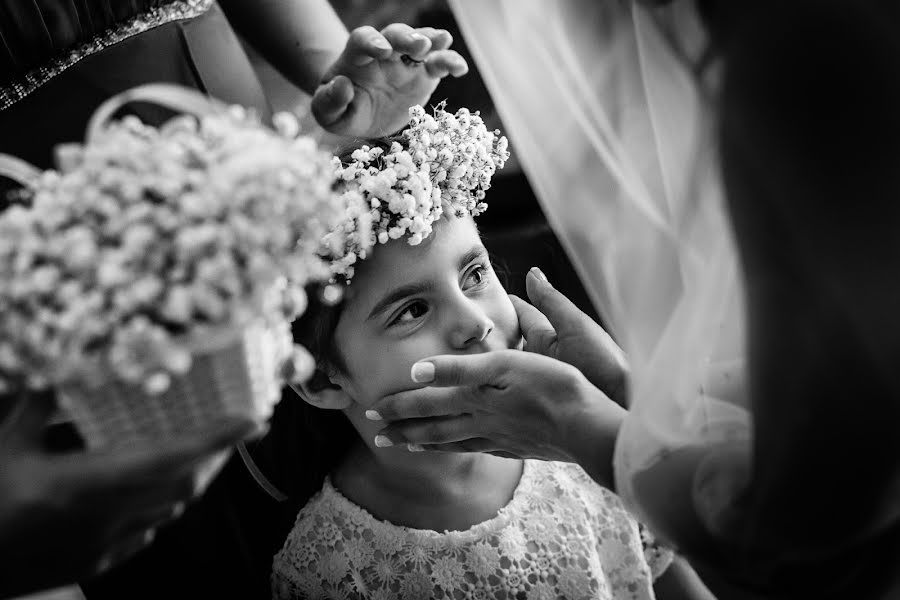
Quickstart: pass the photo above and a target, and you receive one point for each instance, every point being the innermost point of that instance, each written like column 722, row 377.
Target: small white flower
column 157, row 383
column 286, row 124
column 45, row 279
column 178, row 305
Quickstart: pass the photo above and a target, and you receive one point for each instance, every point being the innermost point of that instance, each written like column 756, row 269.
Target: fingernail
column 149, row 536
column 539, row 274
column 382, row 44
column 417, row 36
column 423, row 372
column 178, row 510
column 382, row 441
column 373, row 415
column 415, row 448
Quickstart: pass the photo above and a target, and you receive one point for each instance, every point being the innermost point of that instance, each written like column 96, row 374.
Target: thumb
column 561, row 313
column 536, row 329
column 331, row 100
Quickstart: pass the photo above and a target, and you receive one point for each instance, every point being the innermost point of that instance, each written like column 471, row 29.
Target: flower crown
column 446, row 164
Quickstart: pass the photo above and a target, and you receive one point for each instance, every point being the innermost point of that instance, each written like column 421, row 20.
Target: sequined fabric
column 40, row 43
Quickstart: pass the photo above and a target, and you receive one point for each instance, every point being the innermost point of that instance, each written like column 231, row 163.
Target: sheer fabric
column 561, row 535
column 613, row 130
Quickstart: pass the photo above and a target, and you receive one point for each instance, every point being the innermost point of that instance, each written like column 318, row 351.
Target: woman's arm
column 300, row 38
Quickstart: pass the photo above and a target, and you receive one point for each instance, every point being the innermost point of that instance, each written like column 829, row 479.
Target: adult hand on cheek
column 553, row 326
column 509, row 403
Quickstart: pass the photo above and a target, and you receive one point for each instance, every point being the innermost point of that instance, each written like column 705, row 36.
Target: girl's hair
column 305, row 443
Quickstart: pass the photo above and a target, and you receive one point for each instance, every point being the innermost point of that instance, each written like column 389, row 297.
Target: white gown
column 613, row 130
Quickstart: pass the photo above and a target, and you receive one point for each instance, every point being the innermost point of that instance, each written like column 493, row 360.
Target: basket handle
column 20, row 171
column 175, row 97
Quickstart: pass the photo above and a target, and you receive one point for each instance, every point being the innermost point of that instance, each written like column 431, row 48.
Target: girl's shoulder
column 571, row 481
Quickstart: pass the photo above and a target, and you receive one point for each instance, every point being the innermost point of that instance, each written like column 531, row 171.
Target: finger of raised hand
column 406, row 40
column 435, row 430
column 364, row 45
column 331, row 100
column 421, row 403
column 441, row 39
column 446, row 62
column 539, row 334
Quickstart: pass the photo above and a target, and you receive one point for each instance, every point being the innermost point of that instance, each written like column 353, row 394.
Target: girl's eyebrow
column 473, row 254
column 399, row 293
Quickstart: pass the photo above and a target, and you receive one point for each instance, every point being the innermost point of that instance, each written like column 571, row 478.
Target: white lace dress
column 561, row 536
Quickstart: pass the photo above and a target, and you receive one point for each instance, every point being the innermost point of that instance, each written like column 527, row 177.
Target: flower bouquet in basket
column 152, row 278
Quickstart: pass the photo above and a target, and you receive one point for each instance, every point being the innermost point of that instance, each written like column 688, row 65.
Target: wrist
column 593, row 434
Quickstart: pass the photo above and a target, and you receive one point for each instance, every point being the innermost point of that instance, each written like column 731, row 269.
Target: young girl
column 392, row 522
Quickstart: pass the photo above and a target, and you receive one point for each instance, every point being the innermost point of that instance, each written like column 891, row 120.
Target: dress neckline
column 332, row 496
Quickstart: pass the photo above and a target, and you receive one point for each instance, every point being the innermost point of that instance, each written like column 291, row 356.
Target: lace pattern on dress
column 560, row 536
column 155, row 17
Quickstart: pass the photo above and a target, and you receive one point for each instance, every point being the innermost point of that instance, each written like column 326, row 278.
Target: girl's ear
column 321, row 392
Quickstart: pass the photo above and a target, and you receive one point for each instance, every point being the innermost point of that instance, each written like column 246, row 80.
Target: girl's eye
column 412, row 312
column 475, row 277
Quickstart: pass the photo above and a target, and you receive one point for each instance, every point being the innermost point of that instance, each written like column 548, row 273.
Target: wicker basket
column 235, row 374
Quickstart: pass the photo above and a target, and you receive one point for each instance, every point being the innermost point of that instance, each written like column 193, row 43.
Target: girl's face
column 410, row 302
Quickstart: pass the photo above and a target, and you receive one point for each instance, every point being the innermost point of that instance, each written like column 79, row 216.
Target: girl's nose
column 472, row 326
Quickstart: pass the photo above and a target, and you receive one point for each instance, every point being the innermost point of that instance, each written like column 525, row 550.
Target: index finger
column 331, row 100
column 364, row 45
column 421, row 403
column 449, row 370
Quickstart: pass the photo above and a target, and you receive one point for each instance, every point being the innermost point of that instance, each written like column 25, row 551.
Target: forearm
column 300, row 38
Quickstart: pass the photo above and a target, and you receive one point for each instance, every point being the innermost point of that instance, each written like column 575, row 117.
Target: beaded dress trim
column 155, row 17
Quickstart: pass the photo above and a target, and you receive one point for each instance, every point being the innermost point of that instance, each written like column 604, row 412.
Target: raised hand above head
column 368, row 90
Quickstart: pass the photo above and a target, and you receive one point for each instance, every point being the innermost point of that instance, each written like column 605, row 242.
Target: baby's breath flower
column 146, row 239
column 447, row 160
